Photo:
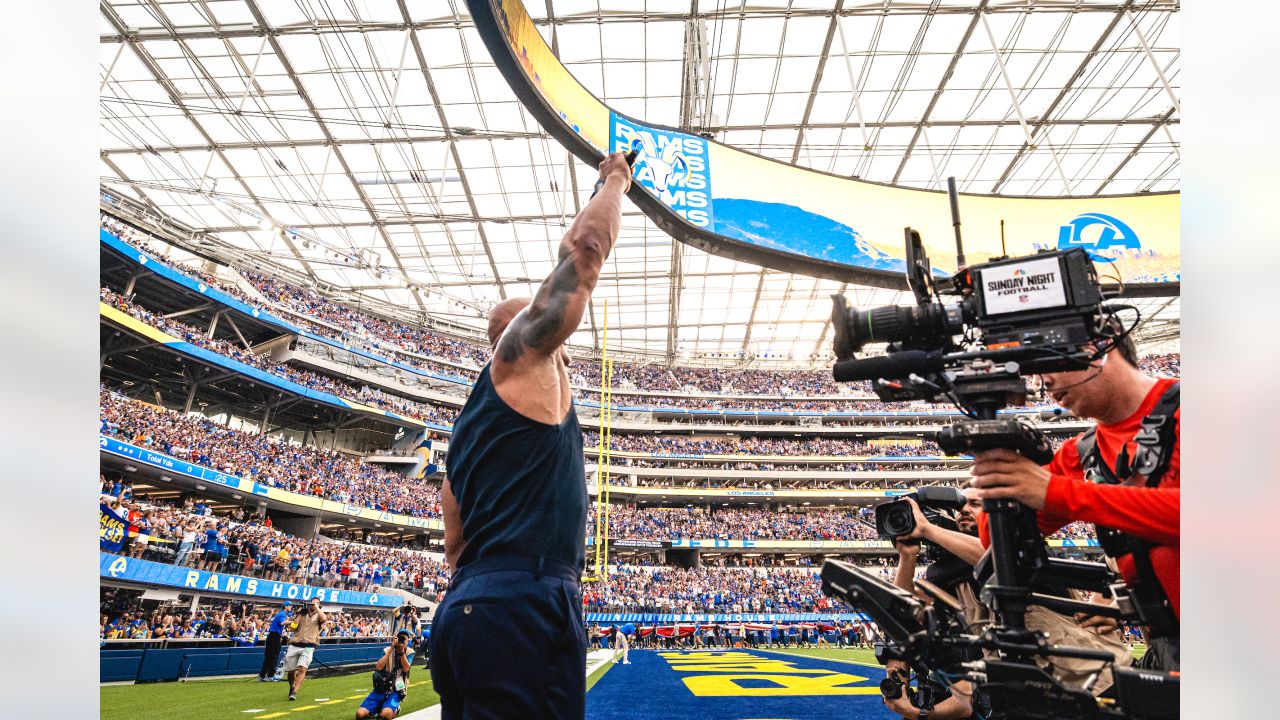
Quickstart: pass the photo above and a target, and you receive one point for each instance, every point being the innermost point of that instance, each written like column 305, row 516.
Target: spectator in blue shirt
column 271, row 653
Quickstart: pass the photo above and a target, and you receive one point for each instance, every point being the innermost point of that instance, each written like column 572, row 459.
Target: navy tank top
column 520, row 484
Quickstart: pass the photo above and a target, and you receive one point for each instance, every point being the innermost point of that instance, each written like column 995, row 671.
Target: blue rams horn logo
column 1112, row 234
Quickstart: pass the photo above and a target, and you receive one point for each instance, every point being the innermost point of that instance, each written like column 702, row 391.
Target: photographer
column 954, row 574
column 1123, row 476
column 390, row 680
column 407, row 620
column 302, row 644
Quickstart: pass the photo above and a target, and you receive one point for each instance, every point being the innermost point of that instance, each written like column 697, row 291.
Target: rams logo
column 1111, row 234
column 665, row 169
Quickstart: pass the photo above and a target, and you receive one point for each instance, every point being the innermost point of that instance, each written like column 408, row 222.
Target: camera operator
column 302, row 644
column 390, row 680
column 1123, row 476
column 954, row 573
column 407, row 620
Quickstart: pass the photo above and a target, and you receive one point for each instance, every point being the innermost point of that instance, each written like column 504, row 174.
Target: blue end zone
column 736, row 685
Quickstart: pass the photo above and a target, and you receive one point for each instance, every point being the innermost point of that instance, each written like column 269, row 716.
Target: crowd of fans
column 1162, row 365
column 302, row 469
column 678, row 445
column 753, row 405
column 122, row 617
column 710, row 590
column 190, row 536
column 416, row 346
column 757, row 523
column 734, row 523
column 760, row 445
column 306, row 378
column 756, row 465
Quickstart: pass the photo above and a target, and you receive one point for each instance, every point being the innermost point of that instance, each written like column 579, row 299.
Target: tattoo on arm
column 539, row 326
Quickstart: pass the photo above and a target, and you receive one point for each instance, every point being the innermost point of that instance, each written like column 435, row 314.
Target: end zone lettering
column 720, row 675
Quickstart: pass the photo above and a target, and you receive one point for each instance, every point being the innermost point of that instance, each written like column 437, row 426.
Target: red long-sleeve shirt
column 1152, row 514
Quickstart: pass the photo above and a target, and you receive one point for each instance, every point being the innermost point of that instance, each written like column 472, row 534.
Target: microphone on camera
column 896, row 365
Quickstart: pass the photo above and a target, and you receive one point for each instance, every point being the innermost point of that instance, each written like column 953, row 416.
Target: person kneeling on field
column 390, row 681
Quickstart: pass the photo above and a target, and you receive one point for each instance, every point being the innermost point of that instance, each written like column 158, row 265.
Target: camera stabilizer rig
column 1015, row 317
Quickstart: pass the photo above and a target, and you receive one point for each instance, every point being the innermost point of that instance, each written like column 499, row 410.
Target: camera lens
column 891, row 687
column 894, row 519
column 854, row 328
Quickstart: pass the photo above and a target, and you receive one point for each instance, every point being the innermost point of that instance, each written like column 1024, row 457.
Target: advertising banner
column 145, row 572
column 750, row 207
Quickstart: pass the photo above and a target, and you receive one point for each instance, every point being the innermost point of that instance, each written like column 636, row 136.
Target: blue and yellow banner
column 113, row 530
column 753, row 208
column 146, row 572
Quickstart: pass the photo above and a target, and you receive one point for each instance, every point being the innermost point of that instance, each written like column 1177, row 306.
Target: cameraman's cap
column 405, row 633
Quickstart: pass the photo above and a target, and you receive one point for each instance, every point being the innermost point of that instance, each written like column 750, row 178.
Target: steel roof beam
column 453, row 149
column 337, row 152
column 1043, row 120
column 1134, row 152
column 288, row 144
column 282, row 144
column 942, row 85
column 174, row 96
column 817, row 80
column 245, row 30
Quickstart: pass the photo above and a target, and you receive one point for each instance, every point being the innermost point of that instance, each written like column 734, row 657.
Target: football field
column 794, row 683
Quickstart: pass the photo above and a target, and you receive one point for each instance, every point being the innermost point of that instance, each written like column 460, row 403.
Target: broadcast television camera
column 939, row 504
column 1011, row 317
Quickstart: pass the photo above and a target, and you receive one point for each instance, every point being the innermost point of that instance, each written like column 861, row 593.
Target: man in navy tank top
column 508, row 640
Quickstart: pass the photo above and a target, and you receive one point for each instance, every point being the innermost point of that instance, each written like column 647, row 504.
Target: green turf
column 594, row 677
column 228, row 698
column 223, row 699
column 856, row 655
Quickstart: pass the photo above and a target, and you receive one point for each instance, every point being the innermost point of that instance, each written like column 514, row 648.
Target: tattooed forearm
column 539, row 329
column 561, row 301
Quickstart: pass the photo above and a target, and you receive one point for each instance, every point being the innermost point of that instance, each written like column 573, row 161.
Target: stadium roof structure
column 371, row 148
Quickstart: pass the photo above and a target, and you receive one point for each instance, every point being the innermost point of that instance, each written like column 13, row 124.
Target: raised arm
column 557, row 309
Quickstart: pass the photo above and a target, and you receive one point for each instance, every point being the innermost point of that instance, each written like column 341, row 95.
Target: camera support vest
column 1155, row 451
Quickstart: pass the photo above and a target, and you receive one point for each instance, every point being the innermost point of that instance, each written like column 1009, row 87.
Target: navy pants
column 508, row 641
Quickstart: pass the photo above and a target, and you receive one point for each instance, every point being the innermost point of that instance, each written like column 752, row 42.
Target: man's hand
column 907, row 548
column 615, row 164
column 1005, row 475
column 922, row 523
column 1097, row 623
column 902, row 705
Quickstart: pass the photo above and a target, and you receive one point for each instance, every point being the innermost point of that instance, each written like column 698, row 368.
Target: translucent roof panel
column 372, row 146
